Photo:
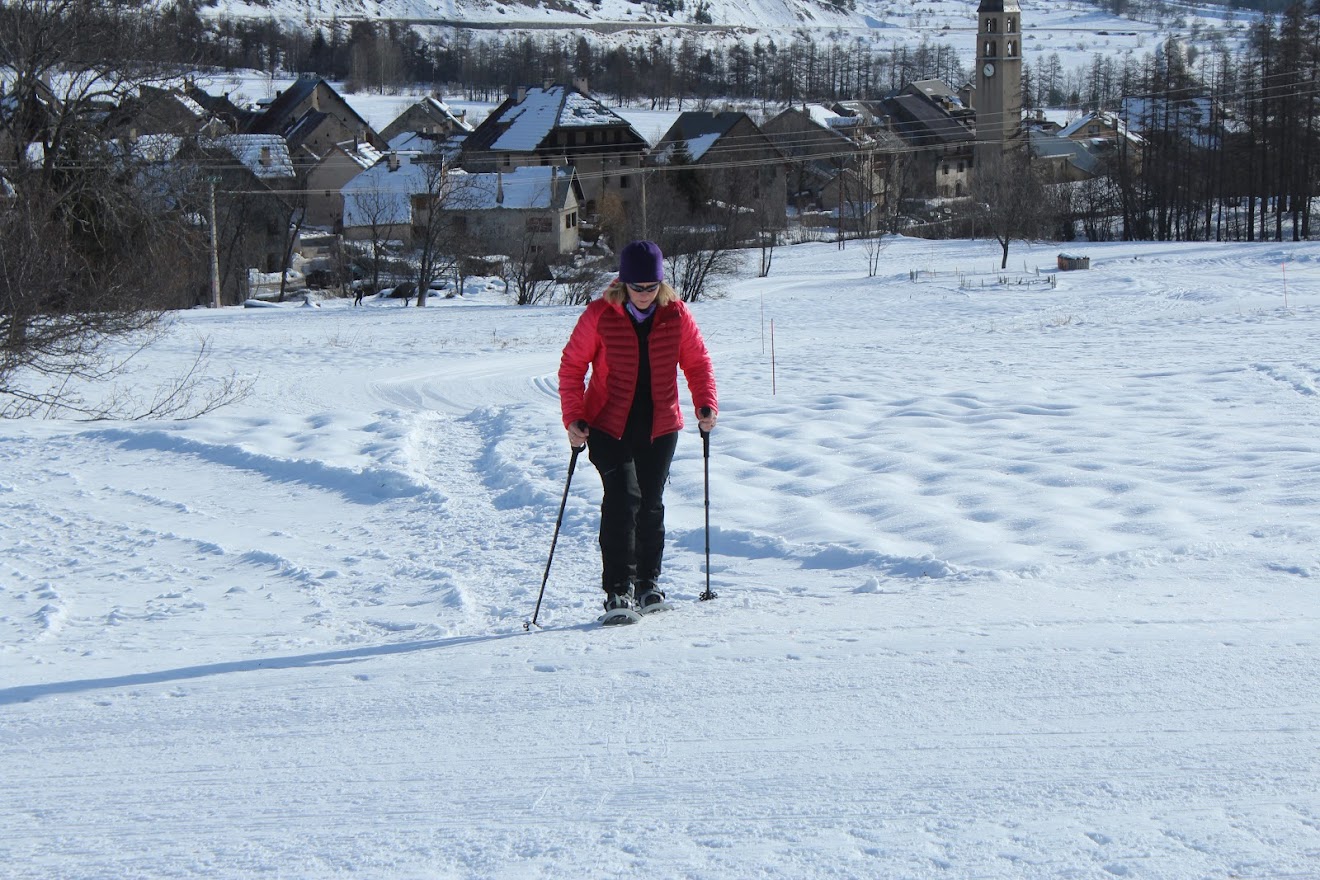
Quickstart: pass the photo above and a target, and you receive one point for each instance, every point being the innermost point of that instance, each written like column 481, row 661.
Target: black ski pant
column 633, row 473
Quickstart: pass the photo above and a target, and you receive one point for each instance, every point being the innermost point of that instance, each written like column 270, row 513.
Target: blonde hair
column 617, row 293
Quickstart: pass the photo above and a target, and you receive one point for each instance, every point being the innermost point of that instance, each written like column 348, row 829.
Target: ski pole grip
column 583, row 427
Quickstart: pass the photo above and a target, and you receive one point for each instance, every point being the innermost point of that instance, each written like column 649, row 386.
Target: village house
column 327, row 177
column 561, row 125
column 377, row 203
column 251, row 174
column 430, row 116
column 500, row 210
column 526, row 212
column 730, row 160
column 312, row 118
column 935, row 129
column 163, row 111
column 929, row 116
column 837, row 162
column 1085, row 148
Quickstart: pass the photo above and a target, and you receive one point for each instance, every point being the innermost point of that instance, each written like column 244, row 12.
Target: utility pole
column 215, row 249
column 644, row 231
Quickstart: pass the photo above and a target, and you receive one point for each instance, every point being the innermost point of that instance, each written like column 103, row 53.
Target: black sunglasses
column 644, row 288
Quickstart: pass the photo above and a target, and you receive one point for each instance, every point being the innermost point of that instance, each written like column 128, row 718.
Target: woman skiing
column 634, row 339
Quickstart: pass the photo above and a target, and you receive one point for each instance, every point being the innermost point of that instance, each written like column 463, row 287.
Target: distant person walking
column 634, row 339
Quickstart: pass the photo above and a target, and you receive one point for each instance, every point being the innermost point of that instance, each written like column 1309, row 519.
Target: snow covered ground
column 1015, row 581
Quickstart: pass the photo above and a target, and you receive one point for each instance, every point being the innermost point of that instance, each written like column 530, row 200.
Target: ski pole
column 572, row 463
column 705, row 458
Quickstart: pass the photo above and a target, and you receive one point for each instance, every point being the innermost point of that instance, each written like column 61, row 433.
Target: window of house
column 538, row 224
column 570, row 220
column 946, row 169
column 623, row 181
column 1093, row 129
column 961, row 167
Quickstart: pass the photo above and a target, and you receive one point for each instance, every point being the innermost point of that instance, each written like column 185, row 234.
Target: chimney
column 580, row 83
column 520, row 94
column 265, row 155
column 499, row 188
column 393, row 161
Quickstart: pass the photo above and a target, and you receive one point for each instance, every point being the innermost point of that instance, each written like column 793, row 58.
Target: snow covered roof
column 265, row 155
column 152, row 147
column 1049, row 146
column 700, row 130
column 440, row 107
column 522, row 124
column 385, row 190
column 382, row 194
column 1106, row 119
column 361, row 152
column 522, row 188
column 827, row 118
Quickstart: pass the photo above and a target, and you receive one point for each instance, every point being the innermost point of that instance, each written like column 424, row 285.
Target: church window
column 1012, row 48
column 1012, row 25
column 990, row 25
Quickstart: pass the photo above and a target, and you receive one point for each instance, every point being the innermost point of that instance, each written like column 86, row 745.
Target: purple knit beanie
column 640, row 262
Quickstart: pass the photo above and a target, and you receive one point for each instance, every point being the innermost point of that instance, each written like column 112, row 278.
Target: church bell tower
column 998, row 78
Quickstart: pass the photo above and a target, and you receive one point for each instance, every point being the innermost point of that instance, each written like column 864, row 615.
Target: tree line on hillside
column 391, row 56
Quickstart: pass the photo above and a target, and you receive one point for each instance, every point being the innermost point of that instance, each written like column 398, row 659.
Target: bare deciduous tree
column 438, row 226
column 528, row 272
column 93, row 248
column 581, row 279
column 1013, row 202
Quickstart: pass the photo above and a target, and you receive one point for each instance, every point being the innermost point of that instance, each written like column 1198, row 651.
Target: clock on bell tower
column 998, row 77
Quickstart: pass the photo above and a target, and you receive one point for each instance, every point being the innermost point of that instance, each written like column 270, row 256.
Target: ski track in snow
column 1013, row 583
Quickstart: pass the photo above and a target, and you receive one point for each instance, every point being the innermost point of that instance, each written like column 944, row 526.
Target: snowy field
column 1013, row 582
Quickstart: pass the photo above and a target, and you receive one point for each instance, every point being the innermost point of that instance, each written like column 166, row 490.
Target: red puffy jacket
column 606, row 341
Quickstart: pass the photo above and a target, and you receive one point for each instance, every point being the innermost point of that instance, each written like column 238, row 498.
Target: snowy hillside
column 1069, row 27
column 1015, row 581
column 745, row 13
